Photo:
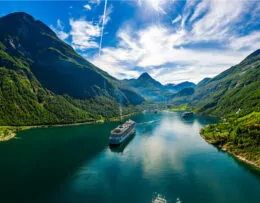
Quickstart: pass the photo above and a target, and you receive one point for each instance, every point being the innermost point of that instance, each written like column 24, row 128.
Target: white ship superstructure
column 122, row 132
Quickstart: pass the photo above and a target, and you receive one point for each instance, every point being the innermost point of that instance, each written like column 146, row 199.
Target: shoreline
column 16, row 129
column 7, row 137
column 238, row 157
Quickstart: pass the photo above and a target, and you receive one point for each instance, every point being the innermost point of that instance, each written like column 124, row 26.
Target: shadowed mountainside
column 43, row 80
column 148, row 87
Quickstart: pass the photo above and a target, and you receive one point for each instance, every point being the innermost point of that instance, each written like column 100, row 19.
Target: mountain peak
column 148, row 87
column 145, row 75
column 24, row 23
column 21, row 16
column 186, row 83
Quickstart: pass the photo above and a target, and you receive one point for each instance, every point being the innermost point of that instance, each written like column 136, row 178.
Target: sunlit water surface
column 166, row 156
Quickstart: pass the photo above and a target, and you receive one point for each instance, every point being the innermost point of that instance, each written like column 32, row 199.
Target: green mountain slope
column 236, row 90
column 203, row 82
column 234, row 95
column 174, row 88
column 44, row 81
column 148, row 87
column 181, row 97
column 239, row 136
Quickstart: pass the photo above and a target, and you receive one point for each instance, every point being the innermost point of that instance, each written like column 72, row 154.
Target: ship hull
column 113, row 142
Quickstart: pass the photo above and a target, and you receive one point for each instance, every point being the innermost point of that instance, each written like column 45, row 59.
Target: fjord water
column 166, row 156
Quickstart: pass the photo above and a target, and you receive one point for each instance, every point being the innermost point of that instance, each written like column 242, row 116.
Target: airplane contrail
column 102, row 28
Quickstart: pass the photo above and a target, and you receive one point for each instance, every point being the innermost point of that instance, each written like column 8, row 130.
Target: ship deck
column 122, row 128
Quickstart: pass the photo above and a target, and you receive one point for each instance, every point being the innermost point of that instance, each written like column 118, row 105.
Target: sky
column 172, row 40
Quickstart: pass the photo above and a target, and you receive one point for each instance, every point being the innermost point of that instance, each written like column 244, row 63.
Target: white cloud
column 140, row 2
column 177, row 19
column 220, row 19
column 169, row 54
column 109, row 10
column 157, row 5
column 200, row 9
column 60, row 24
column 152, row 50
column 94, row 2
column 189, row 4
column 59, row 30
column 87, row 6
column 251, row 41
column 84, row 34
column 62, row 35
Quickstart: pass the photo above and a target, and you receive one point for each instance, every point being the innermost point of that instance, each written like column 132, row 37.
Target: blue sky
column 173, row 40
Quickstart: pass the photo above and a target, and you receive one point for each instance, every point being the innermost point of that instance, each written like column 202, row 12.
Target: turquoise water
column 166, row 156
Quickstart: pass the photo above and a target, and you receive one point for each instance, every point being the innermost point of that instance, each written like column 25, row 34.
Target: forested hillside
column 44, row 81
column 233, row 95
column 236, row 90
column 238, row 135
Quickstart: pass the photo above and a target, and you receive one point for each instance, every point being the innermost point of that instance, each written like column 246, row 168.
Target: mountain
column 178, row 87
column 234, row 95
column 154, row 91
column 234, row 91
column 148, row 87
column 203, row 82
column 43, row 80
column 182, row 96
column 184, row 92
column 170, row 87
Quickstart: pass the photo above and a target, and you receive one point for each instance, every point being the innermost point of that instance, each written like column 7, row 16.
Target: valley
column 137, row 101
column 44, row 82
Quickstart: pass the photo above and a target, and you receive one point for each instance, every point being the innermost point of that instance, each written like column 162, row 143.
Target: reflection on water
column 148, row 122
column 165, row 157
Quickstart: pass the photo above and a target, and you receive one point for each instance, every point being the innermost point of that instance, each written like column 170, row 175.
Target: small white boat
column 178, row 200
column 159, row 199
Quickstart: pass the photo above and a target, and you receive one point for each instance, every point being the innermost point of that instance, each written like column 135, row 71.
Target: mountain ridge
column 233, row 95
column 147, row 86
column 153, row 90
column 174, row 88
column 234, row 89
column 43, row 80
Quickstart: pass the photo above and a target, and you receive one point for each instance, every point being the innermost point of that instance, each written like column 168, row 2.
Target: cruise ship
column 187, row 114
column 122, row 132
